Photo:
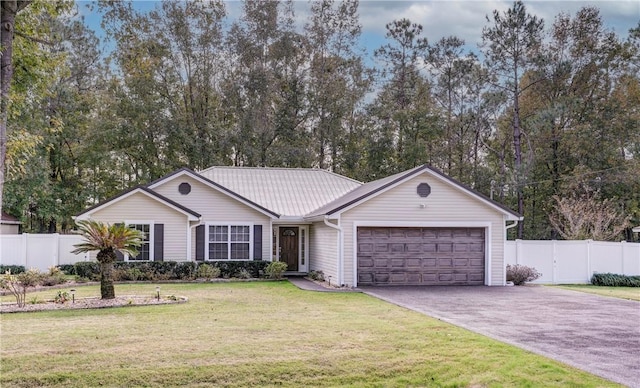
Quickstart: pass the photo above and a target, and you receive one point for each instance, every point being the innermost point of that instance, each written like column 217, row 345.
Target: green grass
column 261, row 334
column 632, row 293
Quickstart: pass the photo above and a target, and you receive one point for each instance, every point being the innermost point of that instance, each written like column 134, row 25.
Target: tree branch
column 34, row 39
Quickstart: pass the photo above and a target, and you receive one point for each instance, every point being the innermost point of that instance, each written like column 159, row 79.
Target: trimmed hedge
column 68, row 269
column 167, row 270
column 15, row 269
column 615, row 280
column 230, row 269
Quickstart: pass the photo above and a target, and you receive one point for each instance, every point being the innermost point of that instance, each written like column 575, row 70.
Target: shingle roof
column 290, row 192
column 9, row 219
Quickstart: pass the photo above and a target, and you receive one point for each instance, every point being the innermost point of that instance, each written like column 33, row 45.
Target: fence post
column 56, row 254
column 555, row 257
column 622, row 255
column 518, row 247
column 589, row 260
column 25, row 236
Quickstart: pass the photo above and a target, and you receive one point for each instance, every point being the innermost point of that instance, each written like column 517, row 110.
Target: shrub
column 185, row 270
column 165, row 270
column 133, row 274
column 133, row 271
column 18, row 284
column 519, row 274
column 206, row 271
column 68, row 269
column 61, row 297
column 87, row 269
column 275, row 269
column 53, row 277
column 317, row 275
column 615, row 280
column 243, row 273
column 14, row 269
column 229, row 269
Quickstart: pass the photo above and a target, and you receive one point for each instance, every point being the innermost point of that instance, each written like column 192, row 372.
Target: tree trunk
column 9, row 10
column 106, row 258
column 107, row 291
column 517, row 150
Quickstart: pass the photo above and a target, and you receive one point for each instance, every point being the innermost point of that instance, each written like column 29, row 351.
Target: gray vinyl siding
column 215, row 206
column 323, row 254
column 140, row 207
column 445, row 204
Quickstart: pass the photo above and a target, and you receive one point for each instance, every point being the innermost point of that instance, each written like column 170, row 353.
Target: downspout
column 504, row 249
column 340, row 248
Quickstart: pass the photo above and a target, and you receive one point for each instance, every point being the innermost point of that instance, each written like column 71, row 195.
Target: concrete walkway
column 600, row 335
column 307, row 285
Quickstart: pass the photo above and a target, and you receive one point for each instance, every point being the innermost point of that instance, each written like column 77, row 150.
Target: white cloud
column 466, row 19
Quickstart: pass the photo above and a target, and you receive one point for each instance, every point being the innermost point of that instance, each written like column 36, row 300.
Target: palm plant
column 107, row 239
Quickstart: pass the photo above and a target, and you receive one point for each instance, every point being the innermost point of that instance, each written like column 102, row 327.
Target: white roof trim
column 9, row 222
column 87, row 215
column 208, row 183
column 509, row 216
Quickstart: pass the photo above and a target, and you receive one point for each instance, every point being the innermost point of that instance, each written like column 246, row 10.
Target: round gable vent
column 424, row 190
column 184, row 188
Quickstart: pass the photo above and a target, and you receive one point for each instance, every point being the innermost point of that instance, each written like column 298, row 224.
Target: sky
column 439, row 18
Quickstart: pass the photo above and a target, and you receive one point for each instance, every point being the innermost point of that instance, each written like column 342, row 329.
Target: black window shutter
column 158, row 242
column 119, row 255
column 257, row 242
column 200, row 242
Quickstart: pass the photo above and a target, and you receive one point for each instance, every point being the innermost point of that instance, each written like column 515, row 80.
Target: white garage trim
column 440, row 224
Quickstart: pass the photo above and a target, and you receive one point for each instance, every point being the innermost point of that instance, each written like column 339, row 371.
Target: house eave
column 291, row 220
column 190, row 214
column 216, row 186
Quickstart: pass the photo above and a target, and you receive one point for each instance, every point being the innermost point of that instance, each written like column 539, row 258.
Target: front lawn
column 260, row 334
column 632, row 293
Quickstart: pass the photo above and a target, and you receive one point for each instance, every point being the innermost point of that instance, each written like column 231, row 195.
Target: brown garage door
column 420, row 256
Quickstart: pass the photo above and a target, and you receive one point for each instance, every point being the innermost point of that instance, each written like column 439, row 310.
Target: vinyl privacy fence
column 560, row 262
column 39, row 251
column 574, row 261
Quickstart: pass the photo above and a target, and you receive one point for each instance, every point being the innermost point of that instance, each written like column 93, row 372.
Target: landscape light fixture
column 158, row 292
column 73, row 295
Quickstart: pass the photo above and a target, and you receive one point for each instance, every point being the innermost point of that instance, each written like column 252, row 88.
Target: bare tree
column 586, row 217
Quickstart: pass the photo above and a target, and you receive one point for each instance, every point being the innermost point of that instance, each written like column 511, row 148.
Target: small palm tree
column 107, row 239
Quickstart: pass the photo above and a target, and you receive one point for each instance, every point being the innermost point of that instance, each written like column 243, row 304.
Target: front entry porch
column 290, row 245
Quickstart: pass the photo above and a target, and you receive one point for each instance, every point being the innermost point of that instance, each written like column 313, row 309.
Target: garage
column 388, row 256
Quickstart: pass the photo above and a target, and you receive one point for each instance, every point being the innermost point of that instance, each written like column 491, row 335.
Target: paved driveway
column 600, row 335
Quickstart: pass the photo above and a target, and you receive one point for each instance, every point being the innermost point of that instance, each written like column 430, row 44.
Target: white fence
column 39, row 251
column 560, row 262
column 574, row 262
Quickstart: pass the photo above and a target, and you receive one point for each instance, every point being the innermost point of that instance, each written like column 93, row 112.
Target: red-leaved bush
column 519, row 274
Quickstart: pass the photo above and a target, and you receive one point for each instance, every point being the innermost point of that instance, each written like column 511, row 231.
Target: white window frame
column 129, row 223
column 229, row 242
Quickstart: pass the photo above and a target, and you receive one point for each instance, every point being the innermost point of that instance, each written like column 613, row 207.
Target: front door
column 289, row 247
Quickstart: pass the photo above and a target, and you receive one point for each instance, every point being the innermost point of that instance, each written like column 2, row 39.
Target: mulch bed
column 91, row 303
